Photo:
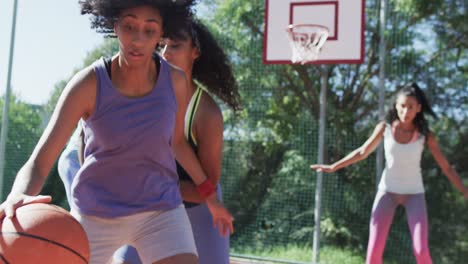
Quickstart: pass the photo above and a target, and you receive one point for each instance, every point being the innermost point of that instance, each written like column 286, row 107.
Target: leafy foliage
column 25, row 124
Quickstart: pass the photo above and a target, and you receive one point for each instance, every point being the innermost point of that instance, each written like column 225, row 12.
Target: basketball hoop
column 306, row 40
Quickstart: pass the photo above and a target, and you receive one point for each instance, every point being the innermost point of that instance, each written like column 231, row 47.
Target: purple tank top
column 129, row 164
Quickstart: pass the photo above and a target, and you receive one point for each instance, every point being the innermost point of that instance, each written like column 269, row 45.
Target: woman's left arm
column 443, row 163
column 208, row 129
column 187, row 158
column 182, row 150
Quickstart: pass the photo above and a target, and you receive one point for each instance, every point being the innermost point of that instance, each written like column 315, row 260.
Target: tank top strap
column 165, row 81
column 388, row 130
column 190, row 115
column 104, row 84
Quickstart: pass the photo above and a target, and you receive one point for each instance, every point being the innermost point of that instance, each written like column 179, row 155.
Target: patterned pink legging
column 383, row 211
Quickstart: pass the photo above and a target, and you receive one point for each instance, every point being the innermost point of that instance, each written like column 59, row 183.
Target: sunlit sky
column 52, row 39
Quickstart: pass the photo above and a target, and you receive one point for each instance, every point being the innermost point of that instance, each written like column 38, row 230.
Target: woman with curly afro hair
column 194, row 50
column 132, row 109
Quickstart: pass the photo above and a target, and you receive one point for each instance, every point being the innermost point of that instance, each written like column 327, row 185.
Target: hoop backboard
column 345, row 20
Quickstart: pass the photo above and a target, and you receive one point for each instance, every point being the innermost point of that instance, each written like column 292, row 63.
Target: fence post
column 6, row 103
column 321, row 160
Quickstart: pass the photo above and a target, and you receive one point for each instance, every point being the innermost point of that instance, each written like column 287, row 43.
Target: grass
column 328, row 255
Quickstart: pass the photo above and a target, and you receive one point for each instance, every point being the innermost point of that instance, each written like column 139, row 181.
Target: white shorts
column 156, row 235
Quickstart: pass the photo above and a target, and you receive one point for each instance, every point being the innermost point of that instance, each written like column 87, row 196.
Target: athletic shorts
column 156, row 235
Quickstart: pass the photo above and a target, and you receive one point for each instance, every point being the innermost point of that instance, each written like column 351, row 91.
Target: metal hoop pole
column 321, row 160
column 6, row 103
column 382, row 52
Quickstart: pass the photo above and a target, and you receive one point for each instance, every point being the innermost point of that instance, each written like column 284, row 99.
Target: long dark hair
column 419, row 121
column 104, row 13
column 212, row 68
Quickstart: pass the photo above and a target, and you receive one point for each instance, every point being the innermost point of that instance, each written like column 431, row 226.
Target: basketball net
column 306, row 40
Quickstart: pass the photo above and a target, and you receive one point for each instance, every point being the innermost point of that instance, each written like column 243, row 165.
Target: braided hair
column 419, row 121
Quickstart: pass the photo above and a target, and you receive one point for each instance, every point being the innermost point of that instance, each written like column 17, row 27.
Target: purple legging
column 383, row 211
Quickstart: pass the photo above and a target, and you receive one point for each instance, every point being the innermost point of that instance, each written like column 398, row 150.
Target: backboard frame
column 356, row 57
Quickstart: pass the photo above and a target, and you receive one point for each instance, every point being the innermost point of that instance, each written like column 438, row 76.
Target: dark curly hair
column 419, row 121
column 212, row 68
column 104, row 13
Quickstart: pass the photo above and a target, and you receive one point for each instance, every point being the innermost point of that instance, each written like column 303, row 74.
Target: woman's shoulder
column 81, row 90
column 83, row 81
column 173, row 69
column 381, row 126
column 209, row 108
column 209, row 117
column 379, row 130
column 431, row 138
column 177, row 75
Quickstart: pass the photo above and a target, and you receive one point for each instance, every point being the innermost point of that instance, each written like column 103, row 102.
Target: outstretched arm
column 443, row 163
column 356, row 155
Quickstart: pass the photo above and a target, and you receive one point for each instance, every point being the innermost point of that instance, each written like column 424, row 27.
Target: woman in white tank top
column 405, row 132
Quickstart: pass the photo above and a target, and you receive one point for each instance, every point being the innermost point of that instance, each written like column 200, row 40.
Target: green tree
column 25, row 124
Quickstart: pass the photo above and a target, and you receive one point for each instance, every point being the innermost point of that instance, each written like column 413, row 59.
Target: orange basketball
column 43, row 233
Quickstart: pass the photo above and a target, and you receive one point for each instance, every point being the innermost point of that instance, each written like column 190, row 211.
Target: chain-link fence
column 268, row 147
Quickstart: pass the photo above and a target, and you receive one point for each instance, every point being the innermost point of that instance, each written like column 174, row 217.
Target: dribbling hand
column 222, row 218
column 14, row 201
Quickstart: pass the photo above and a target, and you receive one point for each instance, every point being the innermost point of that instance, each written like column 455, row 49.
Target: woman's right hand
column 323, row 168
column 222, row 218
column 14, row 201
